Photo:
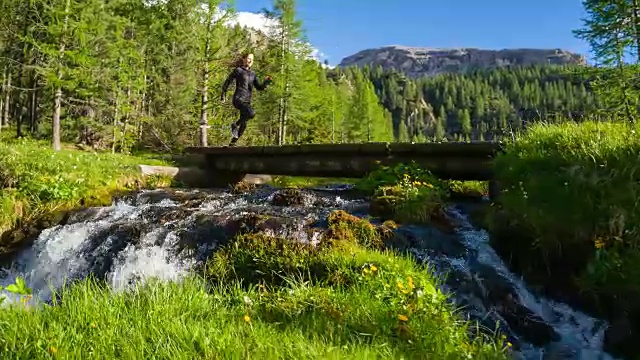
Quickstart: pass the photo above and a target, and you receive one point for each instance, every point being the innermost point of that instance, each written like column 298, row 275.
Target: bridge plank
column 451, row 160
column 446, row 148
column 355, row 165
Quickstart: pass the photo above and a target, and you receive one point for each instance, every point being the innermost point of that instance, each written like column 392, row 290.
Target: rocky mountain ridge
column 423, row 61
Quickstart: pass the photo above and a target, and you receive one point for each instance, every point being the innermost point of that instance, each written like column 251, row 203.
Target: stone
column 621, row 337
column 288, row 197
column 194, row 176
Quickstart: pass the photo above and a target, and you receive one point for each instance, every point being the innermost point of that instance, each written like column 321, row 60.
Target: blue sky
column 339, row 28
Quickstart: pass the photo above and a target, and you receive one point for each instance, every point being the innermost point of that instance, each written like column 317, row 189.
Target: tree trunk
column 635, row 10
column 333, row 118
column 7, row 101
column 125, row 123
column 285, row 112
column 143, row 110
column 116, row 114
column 58, row 94
column 56, row 119
column 281, row 106
column 33, row 105
column 3, row 101
column 204, row 107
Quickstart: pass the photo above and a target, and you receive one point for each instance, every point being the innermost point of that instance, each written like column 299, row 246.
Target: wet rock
column 442, row 222
column 243, row 187
column 158, row 196
column 477, row 213
column 502, row 296
column 102, row 248
column 525, row 323
column 433, row 241
column 51, row 219
column 166, row 233
column 81, row 215
column 622, row 338
column 288, row 197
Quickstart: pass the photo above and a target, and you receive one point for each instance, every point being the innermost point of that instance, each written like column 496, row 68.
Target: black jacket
column 245, row 80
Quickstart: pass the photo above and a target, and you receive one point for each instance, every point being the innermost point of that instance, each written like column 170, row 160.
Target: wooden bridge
column 450, row 160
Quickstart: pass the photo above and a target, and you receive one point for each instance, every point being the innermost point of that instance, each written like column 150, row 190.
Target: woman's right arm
column 227, row 83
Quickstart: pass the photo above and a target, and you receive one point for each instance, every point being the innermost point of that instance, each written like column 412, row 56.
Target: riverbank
column 569, row 218
column 38, row 185
column 358, row 300
column 264, row 295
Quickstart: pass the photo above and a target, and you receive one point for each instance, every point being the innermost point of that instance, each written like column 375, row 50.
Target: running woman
column 245, row 80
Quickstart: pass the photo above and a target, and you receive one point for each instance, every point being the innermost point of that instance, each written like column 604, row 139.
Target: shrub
column 573, row 189
column 405, row 193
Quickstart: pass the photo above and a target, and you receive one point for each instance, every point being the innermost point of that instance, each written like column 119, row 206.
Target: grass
column 263, row 296
column 573, row 191
column 407, row 193
column 468, row 189
column 302, row 182
column 37, row 181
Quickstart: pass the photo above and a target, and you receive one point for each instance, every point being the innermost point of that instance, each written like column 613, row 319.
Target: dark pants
column 246, row 113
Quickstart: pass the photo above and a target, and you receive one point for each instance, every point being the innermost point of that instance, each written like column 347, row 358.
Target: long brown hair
column 240, row 60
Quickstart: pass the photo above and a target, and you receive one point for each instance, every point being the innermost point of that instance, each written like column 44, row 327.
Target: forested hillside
column 138, row 74
column 483, row 104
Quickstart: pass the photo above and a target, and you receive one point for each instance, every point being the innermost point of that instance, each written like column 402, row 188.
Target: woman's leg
column 238, row 128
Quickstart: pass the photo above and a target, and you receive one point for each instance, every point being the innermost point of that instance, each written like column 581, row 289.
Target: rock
column 422, row 61
column 242, row 187
column 258, row 179
column 621, row 337
column 194, row 176
column 500, row 294
column 288, row 197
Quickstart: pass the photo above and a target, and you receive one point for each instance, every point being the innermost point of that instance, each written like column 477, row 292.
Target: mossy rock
column 424, row 207
column 288, row 197
column 51, row 219
column 343, row 226
column 243, row 187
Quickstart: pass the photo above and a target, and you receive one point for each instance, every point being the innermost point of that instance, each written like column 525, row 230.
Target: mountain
column 422, row 61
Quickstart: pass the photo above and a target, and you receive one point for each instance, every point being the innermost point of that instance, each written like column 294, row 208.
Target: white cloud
column 261, row 23
column 252, row 20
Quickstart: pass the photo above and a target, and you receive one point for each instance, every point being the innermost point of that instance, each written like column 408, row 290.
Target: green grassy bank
column 37, row 182
column 571, row 200
column 257, row 296
column 263, row 296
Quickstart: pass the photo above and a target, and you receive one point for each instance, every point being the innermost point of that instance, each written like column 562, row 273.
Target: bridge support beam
column 494, row 190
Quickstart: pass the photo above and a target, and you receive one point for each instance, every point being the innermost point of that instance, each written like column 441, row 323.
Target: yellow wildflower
column 403, row 317
column 374, row 268
column 52, row 350
column 509, row 344
column 93, row 325
column 599, row 244
column 401, row 288
column 247, row 318
column 410, row 280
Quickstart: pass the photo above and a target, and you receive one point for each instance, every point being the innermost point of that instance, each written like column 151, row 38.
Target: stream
column 166, row 233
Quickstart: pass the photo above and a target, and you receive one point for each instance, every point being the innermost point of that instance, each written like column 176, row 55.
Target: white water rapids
column 164, row 234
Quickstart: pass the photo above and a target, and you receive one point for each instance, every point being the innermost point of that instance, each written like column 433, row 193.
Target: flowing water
column 165, row 233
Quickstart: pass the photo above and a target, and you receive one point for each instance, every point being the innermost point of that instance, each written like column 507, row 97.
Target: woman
column 245, row 80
